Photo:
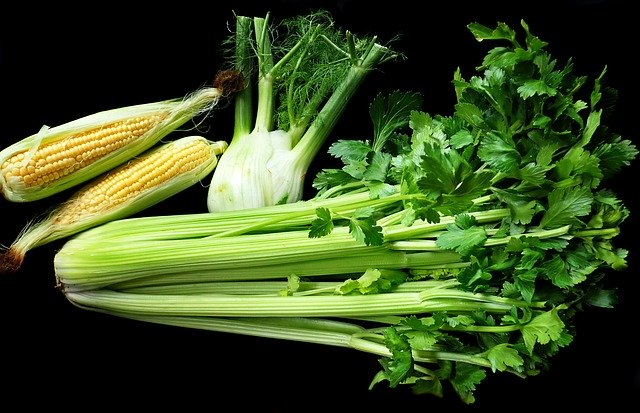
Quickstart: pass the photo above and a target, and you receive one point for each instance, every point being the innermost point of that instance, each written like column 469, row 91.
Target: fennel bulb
column 261, row 170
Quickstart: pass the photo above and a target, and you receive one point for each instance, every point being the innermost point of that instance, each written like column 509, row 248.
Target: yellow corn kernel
column 131, row 187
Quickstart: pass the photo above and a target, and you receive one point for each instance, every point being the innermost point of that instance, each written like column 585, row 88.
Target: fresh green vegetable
column 306, row 71
column 449, row 245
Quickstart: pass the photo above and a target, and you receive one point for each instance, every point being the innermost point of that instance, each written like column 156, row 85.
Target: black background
column 58, row 63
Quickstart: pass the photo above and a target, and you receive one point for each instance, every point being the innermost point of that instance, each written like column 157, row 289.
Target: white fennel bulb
column 260, row 169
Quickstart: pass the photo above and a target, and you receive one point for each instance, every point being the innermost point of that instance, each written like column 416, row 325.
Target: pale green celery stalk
column 85, row 264
column 315, row 78
column 178, row 249
column 89, row 261
column 273, row 287
column 224, row 305
column 308, row 330
column 270, row 218
column 396, row 233
column 396, row 320
column 430, row 245
column 339, row 264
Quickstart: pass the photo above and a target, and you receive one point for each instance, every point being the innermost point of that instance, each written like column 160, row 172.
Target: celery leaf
column 461, row 236
column 542, row 329
column 503, row 356
column 400, row 365
column 322, row 225
column 467, row 376
column 566, row 205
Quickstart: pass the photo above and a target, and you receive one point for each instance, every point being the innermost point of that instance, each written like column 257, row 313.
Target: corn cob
column 58, row 158
column 141, row 182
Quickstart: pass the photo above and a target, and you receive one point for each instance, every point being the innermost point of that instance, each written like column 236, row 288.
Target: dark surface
column 62, row 63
